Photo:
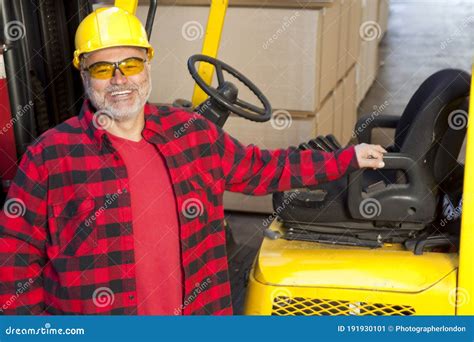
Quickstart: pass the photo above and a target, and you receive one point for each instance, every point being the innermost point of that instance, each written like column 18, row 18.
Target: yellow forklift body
column 308, row 278
column 466, row 250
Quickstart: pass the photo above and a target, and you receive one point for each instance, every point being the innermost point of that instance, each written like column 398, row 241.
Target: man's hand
column 370, row 155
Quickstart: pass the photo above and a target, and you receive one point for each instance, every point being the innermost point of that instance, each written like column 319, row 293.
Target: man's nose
column 118, row 77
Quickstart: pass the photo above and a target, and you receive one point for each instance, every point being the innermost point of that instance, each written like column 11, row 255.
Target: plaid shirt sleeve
column 22, row 239
column 254, row 171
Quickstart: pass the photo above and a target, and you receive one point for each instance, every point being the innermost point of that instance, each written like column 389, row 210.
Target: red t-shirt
column 159, row 275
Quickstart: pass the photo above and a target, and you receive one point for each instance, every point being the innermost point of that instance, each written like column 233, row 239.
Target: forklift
column 396, row 241
column 369, row 244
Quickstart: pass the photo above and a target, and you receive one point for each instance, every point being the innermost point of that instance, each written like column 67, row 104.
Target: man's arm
column 23, row 223
column 254, row 171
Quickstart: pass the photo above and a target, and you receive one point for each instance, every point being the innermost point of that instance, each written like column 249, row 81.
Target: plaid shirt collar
column 88, row 121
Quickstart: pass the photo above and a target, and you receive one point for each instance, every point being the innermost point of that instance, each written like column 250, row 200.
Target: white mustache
column 117, row 89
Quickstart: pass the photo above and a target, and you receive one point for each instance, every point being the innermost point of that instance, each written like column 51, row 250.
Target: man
column 118, row 214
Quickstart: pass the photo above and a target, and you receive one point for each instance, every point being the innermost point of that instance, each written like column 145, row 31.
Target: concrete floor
column 423, row 37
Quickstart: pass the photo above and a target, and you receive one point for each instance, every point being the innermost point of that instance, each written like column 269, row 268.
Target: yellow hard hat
column 109, row 27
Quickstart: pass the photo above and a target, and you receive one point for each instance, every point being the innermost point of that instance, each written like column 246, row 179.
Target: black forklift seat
column 400, row 200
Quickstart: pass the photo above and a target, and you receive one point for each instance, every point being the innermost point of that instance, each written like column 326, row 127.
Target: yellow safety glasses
column 105, row 70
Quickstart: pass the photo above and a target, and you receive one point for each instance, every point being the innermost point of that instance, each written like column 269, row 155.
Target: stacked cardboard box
column 373, row 27
column 383, row 16
column 251, row 3
column 349, row 106
column 330, row 60
column 282, row 50
column 314, row 63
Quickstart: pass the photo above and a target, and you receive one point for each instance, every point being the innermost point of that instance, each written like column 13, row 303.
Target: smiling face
column 123, row 97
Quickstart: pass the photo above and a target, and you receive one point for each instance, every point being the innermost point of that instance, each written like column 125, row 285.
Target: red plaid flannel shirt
column 66, row 238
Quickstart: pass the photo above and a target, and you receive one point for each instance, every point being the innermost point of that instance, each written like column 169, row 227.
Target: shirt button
column 131, row 297
column 124, row 190
column 116, row 157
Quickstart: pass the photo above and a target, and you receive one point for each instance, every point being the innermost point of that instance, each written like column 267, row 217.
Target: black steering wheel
column 239, row 107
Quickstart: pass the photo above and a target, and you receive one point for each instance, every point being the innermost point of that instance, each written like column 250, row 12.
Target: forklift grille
column 299, row 306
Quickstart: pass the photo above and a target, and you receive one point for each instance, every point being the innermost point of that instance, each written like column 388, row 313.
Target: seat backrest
column 446, row 157
column 431, row 115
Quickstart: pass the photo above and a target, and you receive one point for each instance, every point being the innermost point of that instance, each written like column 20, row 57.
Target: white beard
column 121, row 114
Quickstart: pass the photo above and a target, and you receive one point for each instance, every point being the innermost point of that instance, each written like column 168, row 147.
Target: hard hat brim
column 77, row 56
